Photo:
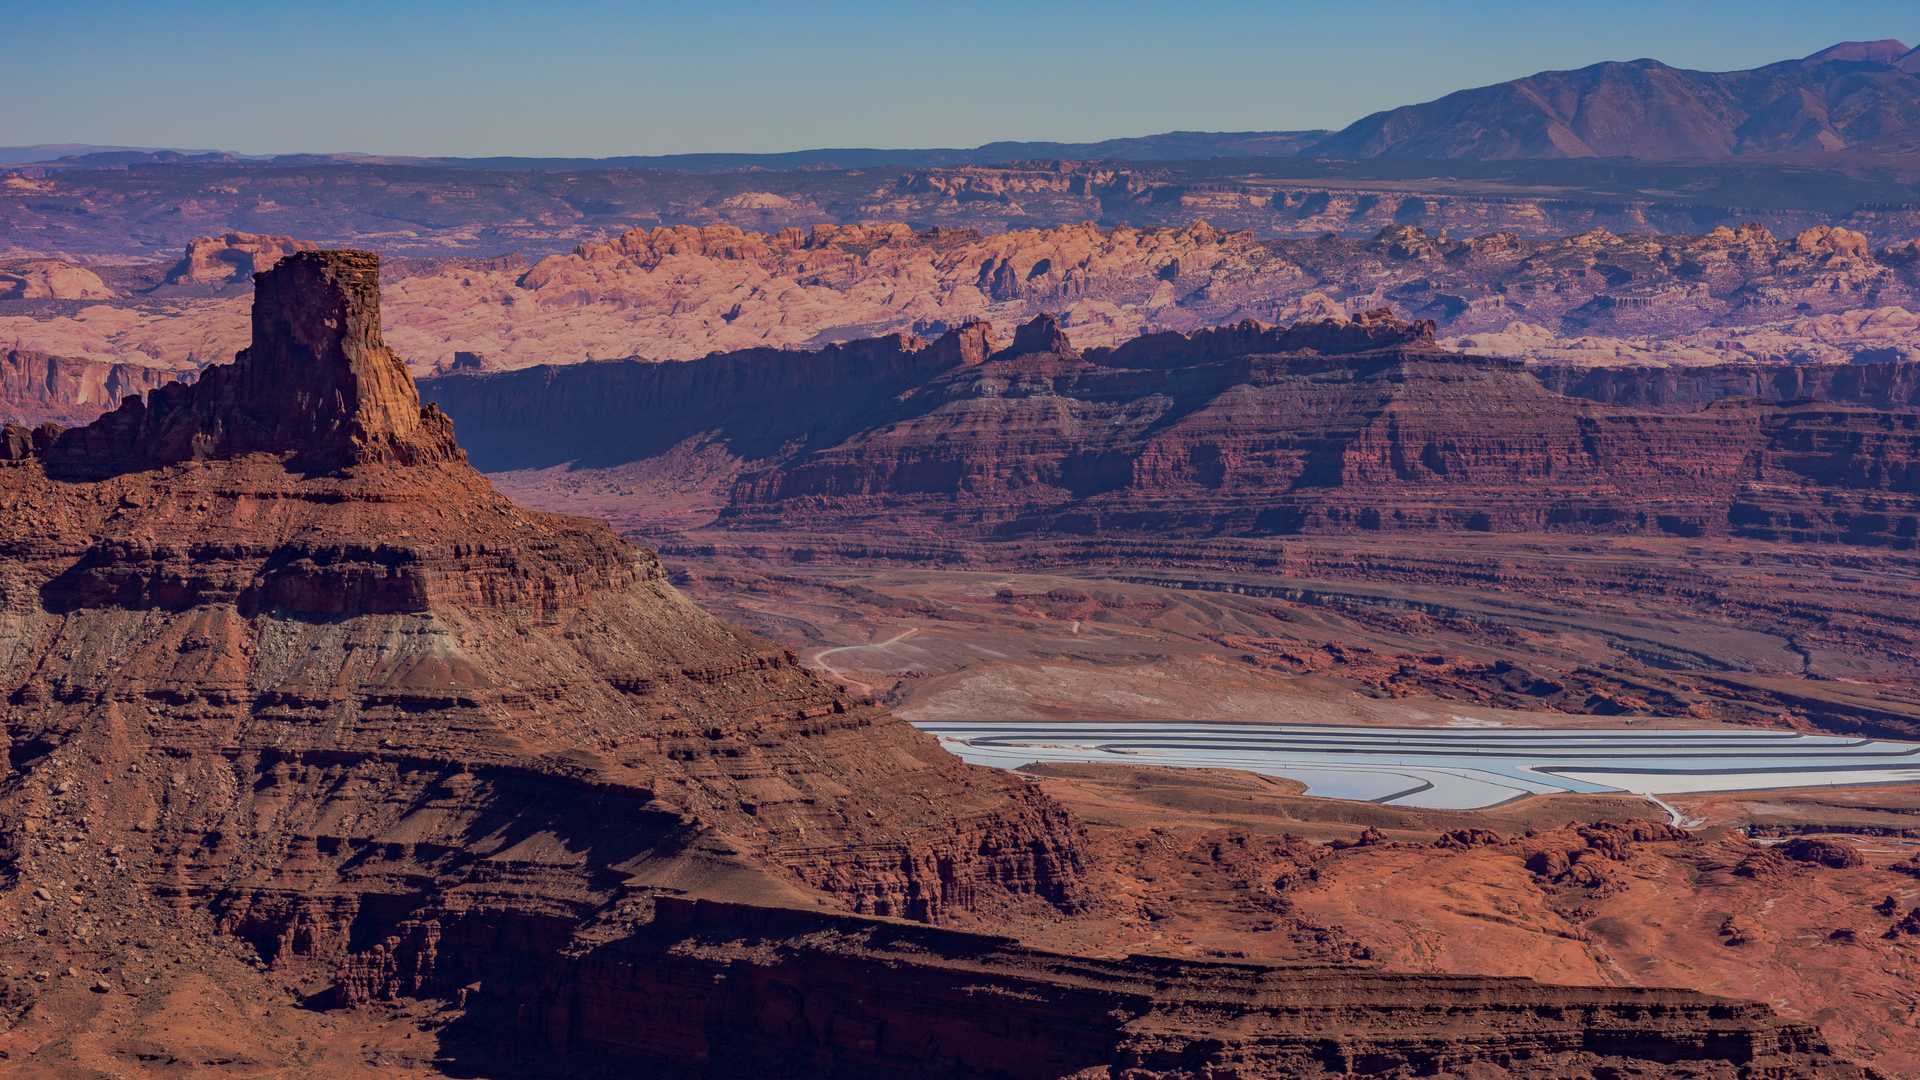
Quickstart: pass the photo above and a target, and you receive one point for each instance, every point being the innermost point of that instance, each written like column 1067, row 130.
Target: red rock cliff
column 39, row 388
column 1248, row 430
column 761, row 992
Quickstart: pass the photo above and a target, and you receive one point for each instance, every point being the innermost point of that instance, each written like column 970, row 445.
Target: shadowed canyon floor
column 1354, row 631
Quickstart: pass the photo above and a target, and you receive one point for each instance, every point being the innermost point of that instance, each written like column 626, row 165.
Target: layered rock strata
column 1248, row 430
column 1890, row 385
column 324, row 678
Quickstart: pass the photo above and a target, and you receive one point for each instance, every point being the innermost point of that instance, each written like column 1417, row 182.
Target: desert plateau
column 532, row 544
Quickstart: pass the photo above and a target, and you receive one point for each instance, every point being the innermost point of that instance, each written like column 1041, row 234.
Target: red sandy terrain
column 1564, row 889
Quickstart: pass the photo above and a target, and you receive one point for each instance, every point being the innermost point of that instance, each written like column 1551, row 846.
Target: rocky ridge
column 1247, row 430
column 37, row 388
column 1858, row 95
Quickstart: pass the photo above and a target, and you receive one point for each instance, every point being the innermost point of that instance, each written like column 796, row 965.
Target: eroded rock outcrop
column 1821, row 851
column 51, row 279
column 317, row 381
column 231, row 258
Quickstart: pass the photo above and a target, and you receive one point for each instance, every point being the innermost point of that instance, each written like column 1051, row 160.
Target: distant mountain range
column 1858, row 96
column 38, row 153
column 1854, row 96
column 1167, row 146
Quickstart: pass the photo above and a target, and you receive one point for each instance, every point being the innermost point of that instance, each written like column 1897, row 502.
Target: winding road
column 820, row 657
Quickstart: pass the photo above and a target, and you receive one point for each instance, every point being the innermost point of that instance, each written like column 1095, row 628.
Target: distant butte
column 231, row 257
column 51, row 279
column 317, row 383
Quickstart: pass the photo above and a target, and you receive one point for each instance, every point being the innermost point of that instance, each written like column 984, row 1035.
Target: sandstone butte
column 1327, row 426
column 281, row 670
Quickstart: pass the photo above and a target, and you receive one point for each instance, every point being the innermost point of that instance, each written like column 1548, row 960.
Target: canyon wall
column 1332, row 426
column 1889, row 385
column 786, row 993
column 38, row 388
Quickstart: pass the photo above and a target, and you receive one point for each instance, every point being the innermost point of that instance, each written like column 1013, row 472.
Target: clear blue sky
column 600, row 79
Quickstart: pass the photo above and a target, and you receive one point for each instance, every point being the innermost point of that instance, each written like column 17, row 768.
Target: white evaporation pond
column 1452, row 768
column 1683, row 784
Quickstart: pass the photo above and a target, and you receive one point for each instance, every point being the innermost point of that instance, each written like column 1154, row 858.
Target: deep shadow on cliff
column 1247, row 430
column 782, row 993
